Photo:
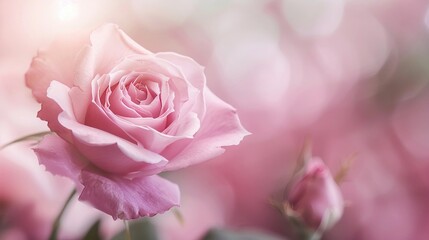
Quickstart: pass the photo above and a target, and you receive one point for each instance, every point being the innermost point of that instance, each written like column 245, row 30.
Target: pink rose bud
column 314, row 197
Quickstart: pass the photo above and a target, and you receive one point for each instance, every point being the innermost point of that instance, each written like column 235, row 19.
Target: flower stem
column 56, row 224
column 127, row 230
column 309, row 235
column 34, row 136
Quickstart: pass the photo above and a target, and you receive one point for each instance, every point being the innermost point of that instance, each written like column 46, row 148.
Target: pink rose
column 123, row 114
column 314, row 196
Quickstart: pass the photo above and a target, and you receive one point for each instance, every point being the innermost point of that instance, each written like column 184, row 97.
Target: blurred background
column 351, row 76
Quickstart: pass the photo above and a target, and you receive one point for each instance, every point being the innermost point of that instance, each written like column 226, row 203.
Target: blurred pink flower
column 23, row 207
column 314, row 196
column 121, row 115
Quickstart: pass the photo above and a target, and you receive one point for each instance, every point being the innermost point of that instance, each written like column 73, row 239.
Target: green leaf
column 222, row 234
column 93, row 232
column 140, row 229
column 35, row 137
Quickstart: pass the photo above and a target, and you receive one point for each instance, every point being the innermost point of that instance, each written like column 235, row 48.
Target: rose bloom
column 315, row 197
column 123, row 114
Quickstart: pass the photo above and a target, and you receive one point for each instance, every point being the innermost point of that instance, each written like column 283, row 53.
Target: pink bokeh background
column 351, row 76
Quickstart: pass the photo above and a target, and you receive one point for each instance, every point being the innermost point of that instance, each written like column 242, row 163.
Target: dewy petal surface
column 129, row 199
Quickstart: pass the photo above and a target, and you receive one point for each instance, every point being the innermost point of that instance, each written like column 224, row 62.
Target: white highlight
column 426, row 20
column 68, row 10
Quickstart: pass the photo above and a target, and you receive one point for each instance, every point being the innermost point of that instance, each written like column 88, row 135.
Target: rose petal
column 147, row 63
column 97, row 60
column 129, row 199
column 145, row 135
column 79, row 100
column 97, row 118
column 59, row 157
column 148, row 137
column 56, row 101
column 55, row 63
column 60, row 94
column 192, row 72
column 186, row 101
column 187, row 126
column 220, row 127
column 111, row 153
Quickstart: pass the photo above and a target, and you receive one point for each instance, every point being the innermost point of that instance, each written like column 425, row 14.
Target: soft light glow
column 68, row 10
column 427, row 18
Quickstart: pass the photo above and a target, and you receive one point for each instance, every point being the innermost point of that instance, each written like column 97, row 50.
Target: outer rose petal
column 55, row 63
column 59, row 157
column 96, row 60
column 220, row 127
column 193, row 71
column 75, row 63
column 129, row 199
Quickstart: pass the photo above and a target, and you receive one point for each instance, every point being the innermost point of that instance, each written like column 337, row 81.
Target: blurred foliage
column 93, row 232
column 140, row 229
column 223, row 234
column 403, row 77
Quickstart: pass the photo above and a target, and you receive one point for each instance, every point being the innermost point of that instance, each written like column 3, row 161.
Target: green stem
column 309, row 235
column 127, row 230
column 56, row 224
column 25, row 138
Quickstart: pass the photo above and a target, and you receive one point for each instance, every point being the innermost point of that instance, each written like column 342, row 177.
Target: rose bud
column 314, row 198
